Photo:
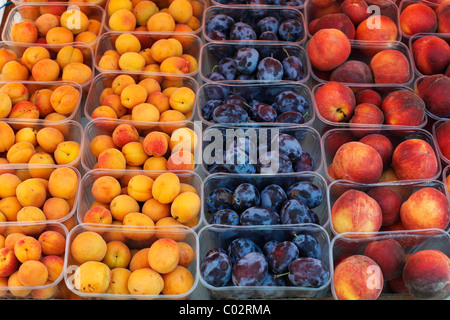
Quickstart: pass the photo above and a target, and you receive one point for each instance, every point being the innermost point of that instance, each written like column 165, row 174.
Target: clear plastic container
column 431, row 116
column 34, row 86
column 296, row 4
column 103, row 126
column 32, row 11
column 264, row 92
column 253, row 14
column 212, row 52
column 87, row 199
column 100, row 3
column 406, row 3
column 359, row 53
column 414, row 38
column 219, row 236
column 182, row 233
column 71, row 130
column 383, row 91
column 197, row 32
column 444, row 159
column 107, row 42
column 105, row 80
column 386, row 8
column 231, row 181
column 217, row 138
column 51, row 289
column 334, row 138
column 88, row 54
column 411, row 242
column 404, row 188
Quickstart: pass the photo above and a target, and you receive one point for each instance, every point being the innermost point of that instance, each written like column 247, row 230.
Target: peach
column 133, row 95
column 145, row 281
column 356, row 10
column 32, row 55
column 46, row 22
column 339, row 21
column 140, row 187
column 155, row 144
column 389, row 255
column 127, row 42
column 16, row 91
column 390, row 202
column 345, row 161
column 164, row 255
column 123, row 204
column 98, row 215
column 390, row 66
column 14, row 71
column 403, row 107
column 138, row 226
column 328, row 48
column 8, row 262
column 161, row 22
column 178, row 281
column 8, row 185
column 368, row 96
column 355, row 211
column 24, row 31
column 431, row 54
column 382, row 144
column 92, row 277
column 366, row 113
column 174, row 65
column 414, row 159
column 63, row 183
column 423, row 283
column 88, row 246
column 27, row 248
column 145, row 112
column 426, row 208
column 432, row 90
column 32, row 273
column 9, row 207
column 357, row 277
column 31, row 192
column 335, row 101
column 387, row 30
column 125, row 133
column 443, row 14
column 122, row 20
column 75, row 20
column 418, row 18
column 77, row 72
column 134, row 153
column 67, row 152
column 119, row 281
column 143, row 11
column 24, row 110
column 352, row 71
column 117, row 255
column 166, row 187
column 111, row 158
column 13, row 282
column 105, row 189
column 442, row 132
column 181, row 160
column 100, row 143
column 139, row 260
column 6, row 55
column 65, row 99
column 185, row 207
column 59, row 35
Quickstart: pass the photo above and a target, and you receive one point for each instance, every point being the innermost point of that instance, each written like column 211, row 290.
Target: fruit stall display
column 190, row 149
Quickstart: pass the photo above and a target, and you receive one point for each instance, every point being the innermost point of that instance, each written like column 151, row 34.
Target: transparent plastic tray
column 445, row 161
column 431, row 116
column 406, row 3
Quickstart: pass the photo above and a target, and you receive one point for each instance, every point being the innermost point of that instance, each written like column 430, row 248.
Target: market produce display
column 191, row 149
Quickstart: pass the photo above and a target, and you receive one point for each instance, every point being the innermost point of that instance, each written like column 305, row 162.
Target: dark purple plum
column 308, row 272
column 229, row 113
column 246, row 60
column 274, row 162
column 218, row 199
column 289, row 146
column 216, row 269
column 268, row 24
column 217, row 35
column 250, row 270
column 216, row 249
column 236, row 100
column 245, row 195
column 273, row 196
column 290, row 101
column 242, row 31
column 215, row 91
column 225, row 216
column 245, row 77
column 217, row 168
column 291, row 117
column 281, row 256
column 272, row 281
column 295, row 212
column 268, row 36
column 221, row 23
column 215, row 76
column 263, row 112
column 241, row 246
column 304, row 163
column 259, row 216
column 237, row 161
column 208, row 108
column 293, row 68
column 307, row 245
column 227, row 68
column 269, row 245
column 290, row 30
column 269, row 69
column 306, row 192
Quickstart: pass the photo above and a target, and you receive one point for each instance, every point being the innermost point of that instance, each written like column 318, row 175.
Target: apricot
column 65, row 99
column 63, row 183
column 59, row 35
column 12, row 238
column 14, row 282
column 155, row 210
column 133, row 95
column 155, row 144
column 31, row 214
column 127, row 42
column 7, row 137
column 182, row 99
column 9, row 207
column 108, row 63
column 100, row 143
column 131, row 61
column 48, row 138
column 32, row 55
column 105, row 189
column 56, row 208
column 159, row 100
column 141, row 226
column 77, row 72
column 122, row 20
column 14, row 71
column 168, row 117
column 67, row 152
column 24, row 110
column 41, row 158
column 98, row 215
column 166, row 187
column 8, row 185
column 16, row 91
column 111, row 158
column 75, row 20
column 192, row 62
column 115, row 5
column 143, row 11
column 134, row 153
column 88, row 246
column 187, row 254
column 155, row 163
column 151, row 85
column 46, row 22
column 161, row 22
column 54, row 265
column 161, row 50
column 145, row 281
column 92, row 277
column 27, row 248
column 33, row 273
column 117, row 255
column 119, row 281
column 6, row 55
column 174, row 65
column 164, row 255
column 181, row 160
column 139, row 260
column 31, row 192
column 125, row 133
column 123, row 204
column 140, row 187
column 185, row 207
column 178, row 281
column 113, row 101
column 41, row 99
column 24, row 31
